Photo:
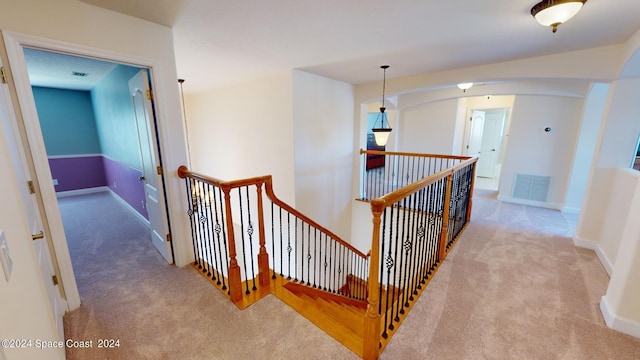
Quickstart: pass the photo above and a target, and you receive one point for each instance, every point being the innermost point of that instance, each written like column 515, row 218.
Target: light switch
column 5, row 257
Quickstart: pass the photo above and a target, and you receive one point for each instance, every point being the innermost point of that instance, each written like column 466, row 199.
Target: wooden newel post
column 371, row 340
column 235, row 279
column 444, row 236
column 263, row 258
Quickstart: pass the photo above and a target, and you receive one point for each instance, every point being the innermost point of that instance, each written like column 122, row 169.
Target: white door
column 476, row 126
column 41, row 243
column 491, row 143
column 153, row 182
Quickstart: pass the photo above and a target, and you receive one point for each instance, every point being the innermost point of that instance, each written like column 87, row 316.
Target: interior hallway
column 514, row 286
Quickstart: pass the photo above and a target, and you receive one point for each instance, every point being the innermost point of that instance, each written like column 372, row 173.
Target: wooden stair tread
column 344, row 316
column 309, row 307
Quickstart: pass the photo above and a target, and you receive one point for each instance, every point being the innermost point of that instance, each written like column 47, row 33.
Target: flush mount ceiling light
column 555, row 12
column 465, row 86
column 381, row 134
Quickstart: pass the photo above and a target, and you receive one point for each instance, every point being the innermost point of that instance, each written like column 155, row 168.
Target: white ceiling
column 219, row 42
column 50, row 69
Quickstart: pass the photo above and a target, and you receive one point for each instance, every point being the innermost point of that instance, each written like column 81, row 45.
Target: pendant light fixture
column 381, row 134
column 555, row 12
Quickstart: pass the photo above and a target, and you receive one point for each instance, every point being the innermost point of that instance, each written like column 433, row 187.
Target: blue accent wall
column 115, row 117
column 67, row 121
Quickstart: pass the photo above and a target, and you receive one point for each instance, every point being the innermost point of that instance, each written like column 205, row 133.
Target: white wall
column 24, row 308
column 615, row 149
column 531, row 150
column 323, row 145
column 244, row 131
column 73, row 23
column 619, row 236
column 429, row 128
column 585, row 147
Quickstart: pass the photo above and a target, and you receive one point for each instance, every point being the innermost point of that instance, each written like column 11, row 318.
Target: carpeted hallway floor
column 514, row 287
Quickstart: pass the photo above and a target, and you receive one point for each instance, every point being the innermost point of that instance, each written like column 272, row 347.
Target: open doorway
column 486, row 133
column 97, row 123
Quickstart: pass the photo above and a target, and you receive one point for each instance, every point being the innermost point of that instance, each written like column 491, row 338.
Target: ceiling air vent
column 531, row 187
column 80, row 74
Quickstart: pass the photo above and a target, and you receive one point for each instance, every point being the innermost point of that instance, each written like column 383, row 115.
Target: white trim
column 133, row 211
column 593, row 245
column 616, row 322
column 72, row 156
column 62, row 194
column 541, row 204
column 570, row 210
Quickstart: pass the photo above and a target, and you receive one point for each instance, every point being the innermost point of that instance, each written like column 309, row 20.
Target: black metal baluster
column 190, row 205
column 250, row 233
column 210, row 236
column 218, row 229
column 301, row 235
column 244, row 252
column 336, row 260
column 383, row 241
column 420, row 250
column 389, row 265
column 289, row 248
column 399, row 247
column 224, row 237
column 309, row 254
column 316, row 263
column 202, row 245
column 273, row 244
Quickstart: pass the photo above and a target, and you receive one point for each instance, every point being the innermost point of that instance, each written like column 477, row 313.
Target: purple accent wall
column 125, row 182
column 75, row 173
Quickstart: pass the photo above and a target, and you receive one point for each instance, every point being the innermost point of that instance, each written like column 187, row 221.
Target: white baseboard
column 541, row 204
column 592, row 245
column 93, row 190
column 130, row 208
column 618, row 323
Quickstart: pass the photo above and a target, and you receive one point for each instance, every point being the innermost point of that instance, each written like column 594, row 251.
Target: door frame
column 15, row 43
column 506, row 125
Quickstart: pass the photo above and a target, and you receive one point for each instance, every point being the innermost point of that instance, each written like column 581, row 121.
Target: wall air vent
column 531, row 187
column 80, row 74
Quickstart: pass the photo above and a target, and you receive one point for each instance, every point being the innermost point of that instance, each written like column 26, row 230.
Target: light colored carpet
column 514, row 287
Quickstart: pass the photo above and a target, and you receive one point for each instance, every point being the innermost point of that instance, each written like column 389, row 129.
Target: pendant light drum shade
column 381, row 134
column 555, row 12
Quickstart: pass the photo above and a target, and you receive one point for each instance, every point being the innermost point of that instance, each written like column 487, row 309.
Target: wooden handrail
column 298, row 214
column 184, row 172
column 439, row 156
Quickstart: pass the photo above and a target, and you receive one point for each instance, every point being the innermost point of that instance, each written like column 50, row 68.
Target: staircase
column 340, row 317
column 250, row 247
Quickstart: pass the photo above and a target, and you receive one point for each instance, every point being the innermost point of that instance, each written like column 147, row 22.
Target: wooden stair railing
column 359, row 299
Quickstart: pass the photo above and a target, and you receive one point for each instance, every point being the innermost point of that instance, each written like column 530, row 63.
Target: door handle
column 493, row 149
column 142, row 178
column 37, row 236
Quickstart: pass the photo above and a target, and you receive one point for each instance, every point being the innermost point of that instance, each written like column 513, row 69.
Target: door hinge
column 168, row 237
column 54, row 280
column 160, row 171
column 149, row 95
column 3, row 77
column 32, row 189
